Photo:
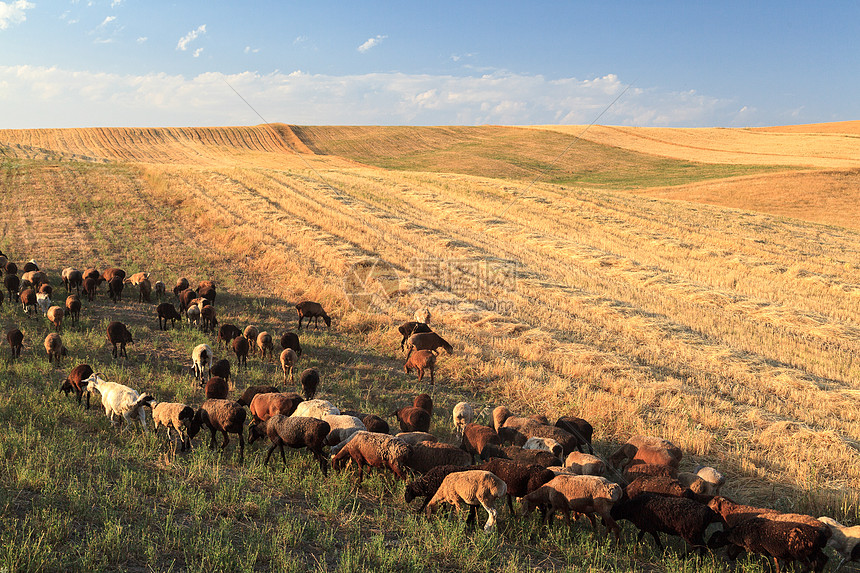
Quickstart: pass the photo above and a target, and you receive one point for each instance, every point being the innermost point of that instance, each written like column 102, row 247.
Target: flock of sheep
column 544, row 465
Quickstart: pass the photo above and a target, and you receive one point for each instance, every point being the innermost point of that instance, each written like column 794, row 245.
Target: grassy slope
column 657, row 309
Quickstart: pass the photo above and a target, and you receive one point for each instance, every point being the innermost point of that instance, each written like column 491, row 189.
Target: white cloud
column 250, row 50
column 197, row 52
column 14, row 12
column 53, row 97
column 190, row 37
column 142, row 40
column 371, row 43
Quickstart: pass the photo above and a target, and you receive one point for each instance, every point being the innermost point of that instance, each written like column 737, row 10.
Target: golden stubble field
column 703, row 313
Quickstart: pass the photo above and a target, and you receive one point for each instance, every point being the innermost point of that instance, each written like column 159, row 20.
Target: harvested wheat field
column 698, row 285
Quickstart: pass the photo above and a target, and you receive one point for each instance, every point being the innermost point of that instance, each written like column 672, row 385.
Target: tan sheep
column 288, row 361
column 54, row 347
column 584, row 464
column 578, row 494
column 472, row 487
column 55, row 315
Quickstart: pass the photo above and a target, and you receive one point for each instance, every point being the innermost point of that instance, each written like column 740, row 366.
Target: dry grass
column 730, row 332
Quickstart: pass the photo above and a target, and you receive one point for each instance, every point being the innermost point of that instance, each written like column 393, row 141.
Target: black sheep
column 520, row 478
column 427, row 485
column 778, row 539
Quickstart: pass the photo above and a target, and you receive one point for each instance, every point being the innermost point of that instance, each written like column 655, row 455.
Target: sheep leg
column 491, row 520
column 420, row 374
column 242, row 449
column 212, row 441
column 657, row 541
column 611, row 524
column 113, row 353
column 432, row 379
column 269, row 453
column 323, row 466
column 510, row 503
column 283, row 455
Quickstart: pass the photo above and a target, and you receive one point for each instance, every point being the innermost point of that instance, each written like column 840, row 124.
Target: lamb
column 54, row 347
column 413, row 438
column 413, row 419
column 295, row 432
column 227, row 333
column 223, row 416
column 264, row 345
column 481, row 441
column 427, row 485
column 11, row 268
column 342, row 426
column 120, row 402
column 521, row 479
column 472, row 487
column 241, row 349
column 845, row 540
column 653, row 513
column 118, row 334
column 44, row 302
column 580, row 429
column 310, row 381
column 73, row 308
column 208, row 319
column 55, row 315
column 12, row 284
column 201, row 360
column 207, row 292
column 648, row 449
column 422, row 360
column 76, row 381
column 28, row 300
column 312, row 310
column 265, row 405
column 16, row 341
column 175, row 416
column 425, row 402
column 91, row 287
column 251, row 391
column 538, row 457
column 315, row 409
column 166, row 311
column 463, row 415
column 543, row 444
column 160, row 290
column 428, row 455
column 72, row 279
column 221, row 368
column 216, row 387
column 427, row 341
column 291, row 340
column 115, row 286
column 375, row 450
column 584, row 464
column 288, row 361
column 779, row 540
column 47, row 289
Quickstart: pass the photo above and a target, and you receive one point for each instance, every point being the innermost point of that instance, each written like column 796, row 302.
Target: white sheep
column 201, row 359
column 342, row 426
column 119, row 401
column 44, row 302
column 845, row 540
column 543, row 444
column 706, row 480
column 463, row 415
column 193, row 314
column 315, row 409
column 472, row 487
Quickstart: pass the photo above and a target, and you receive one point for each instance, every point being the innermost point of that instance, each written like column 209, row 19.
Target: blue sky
column 673, row 63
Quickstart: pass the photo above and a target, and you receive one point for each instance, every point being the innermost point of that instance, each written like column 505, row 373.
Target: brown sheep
column 11, row 268
column 185, row 298
column 250, row 333
column 413, row 419
column 295, row 432
column 72, row 279
column 94, row 274
column 241, row 349
column 472, row 487
column 221, row 368
column 208, row 319
column 481, row 441
column 264, row 406
column 634, row 471
column 55, row 315
column 425, row 402
column 223, row 416
column 228, row 332
column 166, row 311
column 73, row 307
column 35, row 278
column 578, row 494
column 144, row 288
column 309, row 310
column 115, row 286
column 291, row 340
column 137, row 278
column 216, row 387
column 54, row 347
column 407, row 329
column 310, row 381
column 28, row 300
column 118, row 334
column 12, row 284
column 30, row 266
column 45, row 288
column 427, row 341
column 181, row 284
column 113, row 273
column 75, row 382
column 265, row 345
column 375, row 450
column 91, row 287
column 160, row 290
column 288, row 361
column 251, row 391
column 16, row 341
column 648, row 449
column 422, row 360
